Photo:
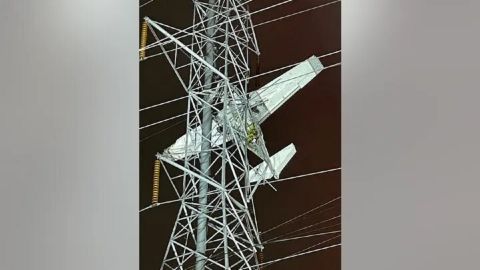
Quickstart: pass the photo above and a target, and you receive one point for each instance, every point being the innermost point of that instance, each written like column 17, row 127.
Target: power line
column 307, row 227
column 161, row 131
column 302, row 237
column 203, row 22
column 278, row 180
column 154, row 44
column 249, row 78
column 163, row 103
column 146, row 3
column 184, row 114
column 301, row 215
column 310, row 247
column 297, row 13
column 297, row 255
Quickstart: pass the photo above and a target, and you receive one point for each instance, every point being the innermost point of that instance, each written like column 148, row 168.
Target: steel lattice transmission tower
column 214, row 226
column 209, row 167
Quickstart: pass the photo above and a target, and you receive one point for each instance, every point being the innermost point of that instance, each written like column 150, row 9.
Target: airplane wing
column 266, row 100
column 190, row 143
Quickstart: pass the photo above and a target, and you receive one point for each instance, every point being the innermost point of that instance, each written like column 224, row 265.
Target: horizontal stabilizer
column 279, row 160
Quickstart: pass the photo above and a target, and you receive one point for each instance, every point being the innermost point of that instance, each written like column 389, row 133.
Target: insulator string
column 156, row 181
column 143, row 40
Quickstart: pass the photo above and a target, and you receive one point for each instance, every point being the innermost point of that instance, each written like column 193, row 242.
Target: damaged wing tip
column 316, row 64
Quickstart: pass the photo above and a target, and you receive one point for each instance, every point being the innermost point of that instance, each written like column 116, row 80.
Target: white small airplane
column 263, row 103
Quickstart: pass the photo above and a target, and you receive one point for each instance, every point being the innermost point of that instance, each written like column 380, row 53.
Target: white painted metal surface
column 279, row 161
column 262, row 102
column 270, row 97
column 216, row 226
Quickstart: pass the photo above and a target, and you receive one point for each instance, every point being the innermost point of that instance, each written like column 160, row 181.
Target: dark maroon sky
column 310, row 119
